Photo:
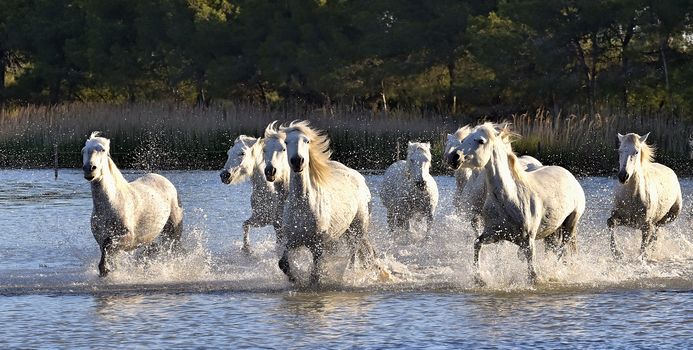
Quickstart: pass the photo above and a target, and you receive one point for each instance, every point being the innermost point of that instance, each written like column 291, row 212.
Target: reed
column 163, row 135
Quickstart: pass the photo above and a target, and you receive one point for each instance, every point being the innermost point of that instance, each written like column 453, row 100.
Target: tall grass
column 587, row 145
column 158, row 135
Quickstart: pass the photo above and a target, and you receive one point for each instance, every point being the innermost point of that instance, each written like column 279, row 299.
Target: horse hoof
column 479, row 282
column 617, row 254
column 103, row 273
column 246, row 250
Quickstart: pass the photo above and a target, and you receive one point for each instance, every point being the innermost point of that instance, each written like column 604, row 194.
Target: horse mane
column 318, row 150
column 272, row 131
column 504, row 134
column 115, row 172
column 463, row 132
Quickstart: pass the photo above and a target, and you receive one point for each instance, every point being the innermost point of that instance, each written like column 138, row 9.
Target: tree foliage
column 479, row 57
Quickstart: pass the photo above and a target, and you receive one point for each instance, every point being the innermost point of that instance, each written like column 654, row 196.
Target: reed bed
column 162, row 135
column 159, row 135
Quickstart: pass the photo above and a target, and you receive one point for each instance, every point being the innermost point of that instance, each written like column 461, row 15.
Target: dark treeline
column 475, row 57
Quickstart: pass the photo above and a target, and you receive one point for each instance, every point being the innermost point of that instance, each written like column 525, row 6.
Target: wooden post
column 55, row 160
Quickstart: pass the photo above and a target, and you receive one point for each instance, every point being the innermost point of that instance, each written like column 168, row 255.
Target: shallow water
column 214, row 296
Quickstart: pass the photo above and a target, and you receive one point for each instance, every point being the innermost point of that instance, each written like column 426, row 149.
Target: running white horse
column 470, row 192
column 408, row 190
column 126, row 215
column 647, row 195
column 276, row 168
column 327, row 202
column 245, row 162
column 522, row 206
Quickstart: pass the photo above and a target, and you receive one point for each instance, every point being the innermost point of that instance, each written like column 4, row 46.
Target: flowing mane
column 319, row 150
column 507, row 137
column 272, row 131
column 463, row 132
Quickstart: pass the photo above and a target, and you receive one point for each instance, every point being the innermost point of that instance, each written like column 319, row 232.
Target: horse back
column 155, row 188
column 559, row 192
column 664, row 180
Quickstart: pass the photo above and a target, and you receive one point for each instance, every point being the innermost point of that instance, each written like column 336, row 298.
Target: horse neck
column 300, row 184
column 638, row 182
column 499, row 178
column 112, row 182
column 283, row 178
column 462, row 177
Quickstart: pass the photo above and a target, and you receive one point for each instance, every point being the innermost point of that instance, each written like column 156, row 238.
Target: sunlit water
column 214, row 296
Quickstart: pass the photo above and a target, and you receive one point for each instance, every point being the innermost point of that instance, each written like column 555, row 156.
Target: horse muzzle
column 296, row 164
column 270, row 173
column 225, row 177
column 623, row 176
column 89, row 172
column 453, row 160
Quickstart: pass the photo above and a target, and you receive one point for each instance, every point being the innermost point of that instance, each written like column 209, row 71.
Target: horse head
column 274, row 153
column 95, row 156
column 632, row 151
column 241, row 160
column 476, row 148
column 418, row 162
column 451, row 154
column 308, row 148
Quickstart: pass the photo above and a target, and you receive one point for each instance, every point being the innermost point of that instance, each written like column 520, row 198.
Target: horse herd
column 318, row 203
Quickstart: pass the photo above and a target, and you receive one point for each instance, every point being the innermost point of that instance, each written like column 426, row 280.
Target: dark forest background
column 453, row 57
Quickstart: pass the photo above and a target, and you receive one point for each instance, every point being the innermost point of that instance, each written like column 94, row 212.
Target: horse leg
column 391, row 220
column 530, row 250
column 429, row 223
column 569, row 235
column 648, row 232
column 553, row 242
column 286, row 267
column 107, row 252
column 252, row 222
column 612, row 222
column 315, row 274
column 476, row 223
column 173, row 230
column 484, row 238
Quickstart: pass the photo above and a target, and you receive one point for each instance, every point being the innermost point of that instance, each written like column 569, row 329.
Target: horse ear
column 644, row 137
column 451, row 137
column 427, row 145
column 620, row 137
column 409, row 143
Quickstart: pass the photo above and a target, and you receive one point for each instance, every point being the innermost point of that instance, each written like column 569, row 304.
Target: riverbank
column 162, row 135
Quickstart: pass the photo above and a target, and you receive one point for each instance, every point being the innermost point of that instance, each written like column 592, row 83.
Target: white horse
column 276, row 168
column 470, row 191
column 327, row 201
column 647, row 194
column 126, row 215
column 245, row 162
column 522, row 206
column 408, row 190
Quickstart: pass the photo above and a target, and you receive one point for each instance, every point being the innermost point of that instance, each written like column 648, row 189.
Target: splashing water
column 47, row 246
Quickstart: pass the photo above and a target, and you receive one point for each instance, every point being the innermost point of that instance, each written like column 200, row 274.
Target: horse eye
column 307, row 141
column 241, row 154
column 283, row 149
column 481, row 141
